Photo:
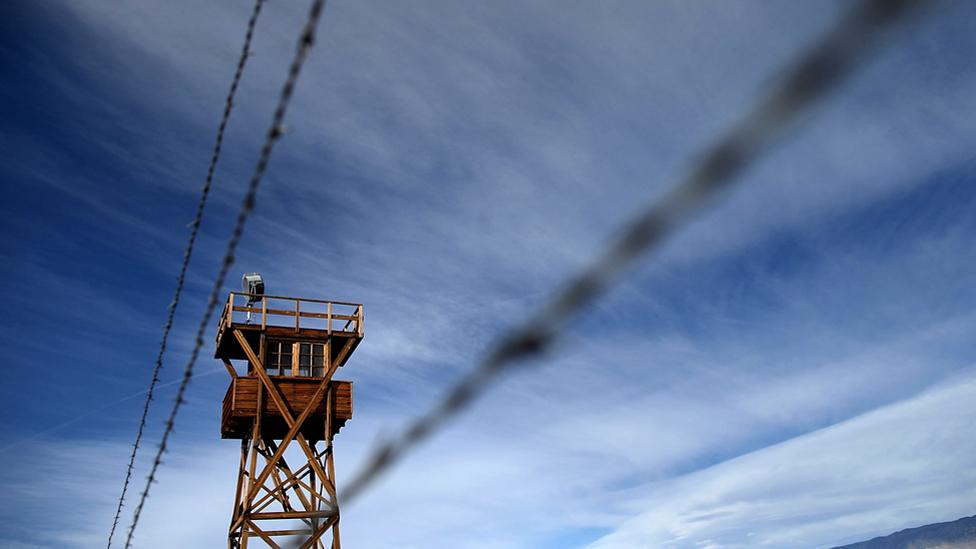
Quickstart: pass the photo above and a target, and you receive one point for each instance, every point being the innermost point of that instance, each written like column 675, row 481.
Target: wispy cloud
column 794, row 494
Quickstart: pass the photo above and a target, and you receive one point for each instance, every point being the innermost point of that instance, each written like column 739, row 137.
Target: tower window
column 285, row 358
column 311, row 359
column 279, row 358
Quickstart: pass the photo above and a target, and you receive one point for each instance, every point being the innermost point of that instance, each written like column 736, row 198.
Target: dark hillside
column 958, row 534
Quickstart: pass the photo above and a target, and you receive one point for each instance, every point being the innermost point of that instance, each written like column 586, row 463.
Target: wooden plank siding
column 240, row 407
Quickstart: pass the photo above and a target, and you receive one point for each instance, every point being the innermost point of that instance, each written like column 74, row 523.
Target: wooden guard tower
column 292, row 348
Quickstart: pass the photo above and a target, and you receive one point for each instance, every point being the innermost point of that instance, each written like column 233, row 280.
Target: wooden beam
column 283, row 465
column 291, row 515
column 230, row 369
column 263, row 535
column 240, row 482
column 291, row 482
column 288, row 532
column 343, row 353
column 328, row 445
column 312, row 541
column 286, row 312
column 229, row 319
column 330, row 463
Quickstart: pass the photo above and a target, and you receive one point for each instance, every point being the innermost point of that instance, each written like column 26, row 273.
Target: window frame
column 297, row 353
column 276, row 350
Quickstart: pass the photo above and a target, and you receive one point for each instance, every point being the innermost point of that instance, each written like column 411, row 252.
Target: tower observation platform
column 298, row 341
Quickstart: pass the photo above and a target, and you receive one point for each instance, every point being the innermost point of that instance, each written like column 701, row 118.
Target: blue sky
column 794, row 370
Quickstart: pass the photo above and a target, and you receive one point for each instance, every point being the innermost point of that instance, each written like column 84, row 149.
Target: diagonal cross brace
column 279, row 401
column 275, row 393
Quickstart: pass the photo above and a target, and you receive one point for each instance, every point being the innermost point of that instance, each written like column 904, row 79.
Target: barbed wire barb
column 305, row 42
column 194, row 227
column 820, row 70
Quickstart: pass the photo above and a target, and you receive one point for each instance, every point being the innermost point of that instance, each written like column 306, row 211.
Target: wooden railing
column 291, row 312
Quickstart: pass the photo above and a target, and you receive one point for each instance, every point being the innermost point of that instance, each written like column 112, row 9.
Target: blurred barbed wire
column 817, row 72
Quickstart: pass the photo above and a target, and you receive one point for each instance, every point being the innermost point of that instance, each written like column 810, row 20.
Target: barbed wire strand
column 305, row 43
column 187, row 254
column 817, row 72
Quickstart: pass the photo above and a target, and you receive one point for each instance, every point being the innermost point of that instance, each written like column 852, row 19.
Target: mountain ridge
column 956, row 534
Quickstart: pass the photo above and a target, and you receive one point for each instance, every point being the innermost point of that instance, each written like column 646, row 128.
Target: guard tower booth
column 281, row 354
